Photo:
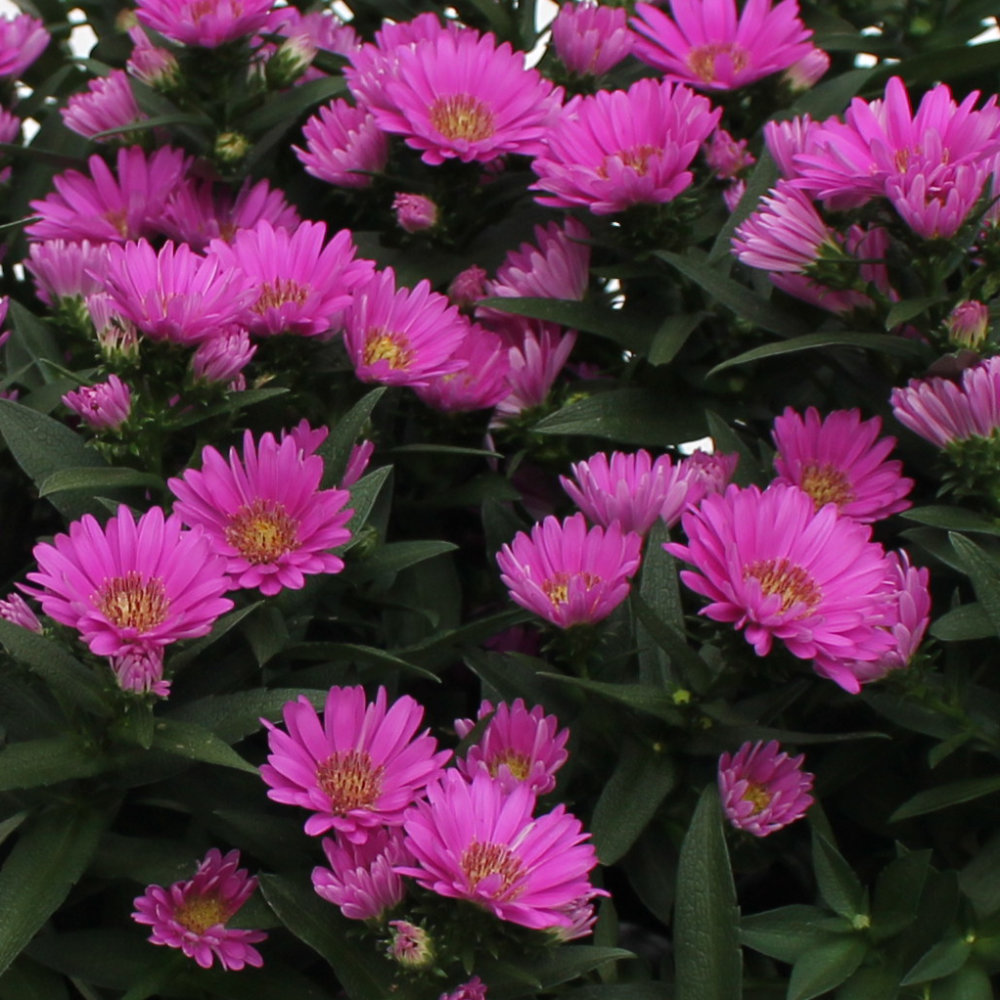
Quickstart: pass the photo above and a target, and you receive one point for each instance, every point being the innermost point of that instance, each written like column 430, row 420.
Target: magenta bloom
column 632, row 489
column 402, row 336
column 344, row 145
column 264, row 512
column 129, row 584
column 358, row 768
column 222, row 358
column 152, row 65
column 480, row 383
column 66, row 270
column 807, row 71
column 726, row 156
column 935, row 203
column 109, row 103
column 968, row 324
column 204, row 23
column 192, row 915
column 110, row 206
column 415, row 212
column 841, row 460
column 474, row 989
column 619, row 148
column 567, row 574
column 104, row 406
column 302, row 286
column 534, row 367
column 705, row 45
column 707, row 473
column 910, row 600
column 589, row 38
column 361, row 879
column 140, row 671
column 763, row 789
column 474, row 841
column 175, row 294
column 777, row 568
column 943, row 411
column 458, row 95
column 15, row 609
column 516, row 747
column 22, row 40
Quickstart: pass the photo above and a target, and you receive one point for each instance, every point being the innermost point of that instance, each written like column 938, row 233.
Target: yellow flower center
column 200, row 913
column 701, row 59
column 129, row 601
column 393, row 348
column 461, row 116
column 518, row 764
column 556, row 588
column 118, row 218
column 263, row 531
column 826, row 484
column 277, row 292
column 479, row 861
column 791, row 582
column 759, row 796
column 350, row 780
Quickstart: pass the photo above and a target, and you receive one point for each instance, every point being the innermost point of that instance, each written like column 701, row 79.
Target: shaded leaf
column 97, row 480
column 838, row 885
column 942, row 960
column 786, row 933
column 945, row 796
column 186, row 739
column 34, row 763
column 825, row 967
column 336, row 449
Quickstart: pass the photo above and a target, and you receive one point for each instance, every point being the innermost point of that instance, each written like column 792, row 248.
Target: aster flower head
column 302, row 283
column 108, row 103
column 409, row 945
column 66, row 270
column 206, row 24
column 786, row 139
column 726, row 156
column 591, row 39
column 459, row 95
column 707, row 472
column 774, row 566
column 567, row 574
column 222, row 358
column 15, row 609
column 154, row 66
column 763, row 789
column 130, row 583
column 534, row 366
column 841, row 459
column 104, row 406
column 116, row 335
column 968, row 324
column 705, row 44
column 468, row 287
column 22, row 40
column 807, row 71
column 474, row 989
column 192, row 914
column 264, row 513
column 479, row 384
column 139, row 670
column 344, row 145
column 402, row 336
column 516, row 747
column 631, row 488
column 358, row 767
column 361, row 879
column 615, row 149
column 473, row 840
column 415, row 212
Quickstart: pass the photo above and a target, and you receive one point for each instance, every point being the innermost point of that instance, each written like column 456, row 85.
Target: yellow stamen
column 701, row 59
column 131, row 602
column 263, row 531
column 479, row 861
column 461, row 116
column 793, row 583
column 393, row 348
column 200, row 913
column 350, row 779
column 277, row 292
column 826, row 484
column 518, row 764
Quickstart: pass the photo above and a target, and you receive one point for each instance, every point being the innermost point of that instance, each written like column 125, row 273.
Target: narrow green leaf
column 968, row 621
column 223, row 625
column 942, row 960
column 689, row 668
column 838, row 885
column 357, row 652
column 641, row 780
column 336, row 449
column 33, row 763
column 906, row 309
column 706, row 921
column 970, row 983
column 748, row 470
column 157, row 121
column 646, row 698
column 97, row 480
column 393, row 557
column 872, row 982
column 897, row 894
column 945, row 796
column 984, row 572
column 32, row 345
column 233, row 716
column 234, row 403
column 364, row 493
column 186, row 739
column 672, row 335
column 557, row 966
column 286, row 106
column 953, row 519
column 940, row 64
column 825, row 967
column 50, row 855
column 659, row 588
column 786, row 933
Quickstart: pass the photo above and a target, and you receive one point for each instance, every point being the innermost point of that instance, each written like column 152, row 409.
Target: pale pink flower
column 415, row 212
column 192, row 915
column 154, row 66
column 410, row 945
column 968, row 324
column 726, row 156
column 204, row 23
column 357, row 462
column 479, row 384
column 104, row 406
column 22, row 40
column 474, row 989
column 109, row 103
column 534, row 367
column 15, row 609
column 591, row 39
column 139, row 670
column 66, row 270
column 763, row 789
column 807, row 71
column 344, row 145
column 222, row 358
column 361, row 879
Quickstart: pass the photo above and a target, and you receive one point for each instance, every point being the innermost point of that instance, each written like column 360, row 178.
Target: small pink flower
column 567, row 574
column 591, row 39
column 15, row 609
column 468, row 287
column 104, row 406
column 66, row 270
column 356, row 769
column 361, row 879
column 222, row 358
column 763, row 789
column 22, row 40
column 786, row 139
column 807, row 72
column 204, row 23
column 474, row 989
column 139, row 670
column 707, row 473
column 516, row 747
column 968, row 324
column 192, row 915
column 344, row 145
column 357, row 462
column 479, row 384
column 109, row 103
column 264, row 512
column 935, row 203
column 156, row 67
column 727, row 157
column 410, row 945
column 414, row 212
column 534, row 366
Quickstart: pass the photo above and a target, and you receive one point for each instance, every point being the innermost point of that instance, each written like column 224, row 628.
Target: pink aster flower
column 935, row 204
column 402, row 336
column 175, row 294
column 356, row 769
column 907, row 587
column 475, row 841
column 192, row 914
column 807, row 71
column 140, row 671
column 410, row 945
column 116, row 335
column 943, row 411
column 619, row 148
column 479, row 384
column 763, row 789
column 968, row 324
column 468, row 287
column 22, row 40
column 15, row 609
column 567, row 574
column 130, row 583
column 104, row 406
column 459, row 95
column 344, row 145
column 204, row 23
column 154, row 66
column 842, row 460
column 109, row 103
column 414, row 212
column 361, row 879
column 516, row 747
column 777, row 568
column 65, row 270
column 534, row 366
column 302, row 283
column 222, row 358
column 785, row 140
column 632, row 489
column 264, row 512
column 357, row 462
column 726, row 156
column 110, row 206
column 474, row 989
column 707, row 473
column 591, row 39
column 705, row 45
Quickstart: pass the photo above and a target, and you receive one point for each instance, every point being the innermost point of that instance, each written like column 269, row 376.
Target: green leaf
column 748, row 470
column 632, row 416
column 942, row 960
column 26, row 980
column 97, row 480
column 838, row 885
column 953, row 519
column 786, row 933
column 646, row 698
column 688, row 667
column 234, row 403
column 364, row 493
column 897, row 894
column 984, row 572
column 357, row 652
column 32, row 345
column 222, row 625
column 641, row 780
column 558, row 965
column 317, row 923
column 50, row 855
column 286, row 107
column 393, row 557
column 763, row 178
column 659, row 589
column 671, row 335
column 186, row 739
column 34, row 763
column 336, row 449
column 706, row 920
column 970, row 983
column 882, row 342
column 871, row 982
column 825, row 967
column 234, row 716
column 968, row 621
column 945, row 796
column 906, row 309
